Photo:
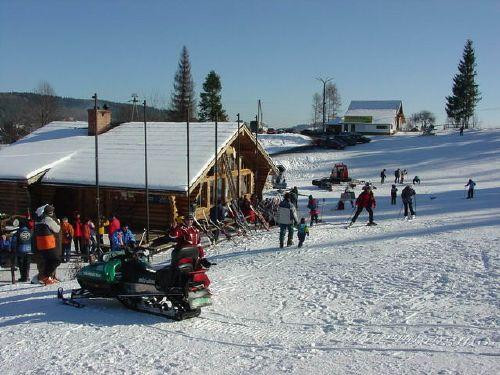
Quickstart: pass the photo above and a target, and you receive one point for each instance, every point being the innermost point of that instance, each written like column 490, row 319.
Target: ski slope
column 415, row 296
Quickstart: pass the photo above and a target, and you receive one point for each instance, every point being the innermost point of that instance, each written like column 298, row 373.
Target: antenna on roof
column 134, row 102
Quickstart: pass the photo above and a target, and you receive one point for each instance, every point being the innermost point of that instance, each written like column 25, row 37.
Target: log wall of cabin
column 14, row 198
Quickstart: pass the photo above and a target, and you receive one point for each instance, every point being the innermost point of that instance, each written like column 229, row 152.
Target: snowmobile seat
column 185, row 259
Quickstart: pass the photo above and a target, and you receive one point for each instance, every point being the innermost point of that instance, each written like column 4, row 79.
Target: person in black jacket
column 407, row 196
column 382, row 176
column 394, row 194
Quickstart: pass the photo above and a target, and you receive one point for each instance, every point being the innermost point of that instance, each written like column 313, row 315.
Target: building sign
column 359, row 119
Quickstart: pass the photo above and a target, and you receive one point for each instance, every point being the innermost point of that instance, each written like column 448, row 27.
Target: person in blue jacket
column 4, row 250
column 121, row 238
column 21, row 243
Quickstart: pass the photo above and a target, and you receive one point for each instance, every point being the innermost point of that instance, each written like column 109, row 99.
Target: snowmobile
column 176, row 291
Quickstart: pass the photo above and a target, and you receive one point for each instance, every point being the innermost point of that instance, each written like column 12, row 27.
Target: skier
column 396, row 176
column 382, row 176
column 416, row 180
column 462, row 130
column 21, row 244
column 218, row 214
column 365, row 200
column 121, row 238
column 188, row 236
column 312, row 204
column 470, row 193
column 394, row 194
column 407, row 197
column 402, row 176
column 46, row 229
column 302, row 231
column 287, row 217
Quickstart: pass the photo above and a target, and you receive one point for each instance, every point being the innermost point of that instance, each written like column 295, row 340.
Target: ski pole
column 322, row 204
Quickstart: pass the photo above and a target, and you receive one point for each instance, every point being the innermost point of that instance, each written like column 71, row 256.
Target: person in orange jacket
column 67, row 232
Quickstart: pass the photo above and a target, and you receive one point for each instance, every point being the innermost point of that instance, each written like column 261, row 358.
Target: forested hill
column 21, row 112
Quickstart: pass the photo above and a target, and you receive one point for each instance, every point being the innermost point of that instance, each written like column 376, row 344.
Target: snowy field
column 401, row 297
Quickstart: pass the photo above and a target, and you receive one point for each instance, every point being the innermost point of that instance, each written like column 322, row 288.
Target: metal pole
column 255, row 155
column 97, row 199
column 239, row 157
column 188, row 171
column 216, row 187
column 146, row 173
column 324, row 81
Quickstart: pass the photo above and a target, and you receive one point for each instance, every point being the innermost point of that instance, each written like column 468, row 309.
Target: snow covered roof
column 381, row 111
column 41, row 150
column 68, row 152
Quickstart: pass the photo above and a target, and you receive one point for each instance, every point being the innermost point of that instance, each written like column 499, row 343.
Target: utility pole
column 97, row 199
column 238, row 159
column 324, row 81
column 134, row 106
column 188, row 166
column 255, row 154
column 146, row 173
column 216, row 187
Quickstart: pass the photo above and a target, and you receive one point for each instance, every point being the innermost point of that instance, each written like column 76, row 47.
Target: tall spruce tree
column 211, row 101
column 465, row 92
column 183, row 94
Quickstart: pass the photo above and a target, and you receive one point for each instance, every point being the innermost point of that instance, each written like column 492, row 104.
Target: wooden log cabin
column 56, row 164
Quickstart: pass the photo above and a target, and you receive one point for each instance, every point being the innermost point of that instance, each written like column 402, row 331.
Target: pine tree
column 210, row 103
column 465, row 92
column 183, row 94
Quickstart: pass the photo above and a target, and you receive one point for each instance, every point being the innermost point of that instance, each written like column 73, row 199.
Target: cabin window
column 382, row 127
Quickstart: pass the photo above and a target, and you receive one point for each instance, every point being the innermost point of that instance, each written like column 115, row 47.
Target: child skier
column 302, row 231
column 394, row 194
column 470, row 193
column 312, row 204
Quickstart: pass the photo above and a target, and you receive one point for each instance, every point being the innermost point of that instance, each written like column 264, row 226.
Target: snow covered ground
column 401, row 297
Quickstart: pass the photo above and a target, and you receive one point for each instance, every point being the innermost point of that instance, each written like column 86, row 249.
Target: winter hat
column 310, row 197
column 49, row 210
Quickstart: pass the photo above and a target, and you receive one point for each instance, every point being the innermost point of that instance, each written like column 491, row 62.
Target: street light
column 325, row 81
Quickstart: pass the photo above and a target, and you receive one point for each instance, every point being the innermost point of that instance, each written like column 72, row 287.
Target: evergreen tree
column 183, row 94
column 210, row 103
column 465, row 92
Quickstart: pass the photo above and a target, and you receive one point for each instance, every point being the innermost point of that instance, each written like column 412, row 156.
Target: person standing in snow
column 461, row 130
column 367, row 201
column 407, row 196
column 470, row 193
column 302, row 231
column 396, row 176
column 287, row 218
column 394, row 194
column 402, row 176
column 21, row 244
column 46, row 240
column 77, row 230
column 67, row 234
column 312, row 205
column 382, row 176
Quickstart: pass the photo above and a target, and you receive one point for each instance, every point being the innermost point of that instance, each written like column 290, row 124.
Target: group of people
column 399, row 176
column 48, row 241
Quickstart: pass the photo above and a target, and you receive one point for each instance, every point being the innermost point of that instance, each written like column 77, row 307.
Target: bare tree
column 423, row 120
column 333, row 101
column 317, row 108
column 47, row 104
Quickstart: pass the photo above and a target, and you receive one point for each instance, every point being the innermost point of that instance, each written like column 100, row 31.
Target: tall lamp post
column 97, row 198
column 324, row 81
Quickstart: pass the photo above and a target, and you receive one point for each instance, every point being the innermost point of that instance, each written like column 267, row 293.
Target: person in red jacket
column 114, row 225
column 77, row 229
column 365, row 200
column 187, row 235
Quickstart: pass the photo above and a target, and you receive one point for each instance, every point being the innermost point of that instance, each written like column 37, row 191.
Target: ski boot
column 371, row 223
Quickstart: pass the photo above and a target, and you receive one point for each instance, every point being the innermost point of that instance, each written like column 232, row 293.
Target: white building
column 374, row 116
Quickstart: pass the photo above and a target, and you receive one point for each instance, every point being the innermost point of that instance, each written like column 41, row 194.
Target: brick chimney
column 99, row 120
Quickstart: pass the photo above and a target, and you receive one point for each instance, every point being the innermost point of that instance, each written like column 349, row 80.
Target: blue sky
column 268, row 50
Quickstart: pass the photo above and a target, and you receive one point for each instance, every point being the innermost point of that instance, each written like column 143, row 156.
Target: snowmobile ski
column 68, row 301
